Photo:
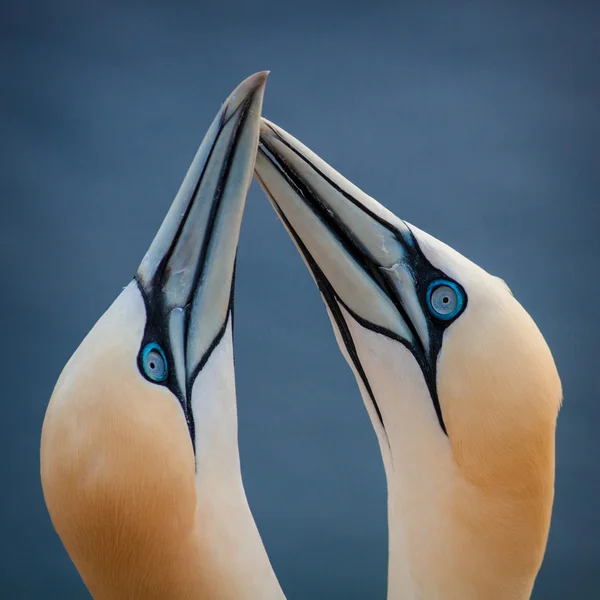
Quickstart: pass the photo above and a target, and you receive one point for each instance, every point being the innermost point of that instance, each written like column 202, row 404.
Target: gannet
column 139, row 455
column 458, row 381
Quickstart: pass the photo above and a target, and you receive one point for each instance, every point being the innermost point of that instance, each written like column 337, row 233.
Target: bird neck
column 227, row 540
column 450, row 537
column 450, row 541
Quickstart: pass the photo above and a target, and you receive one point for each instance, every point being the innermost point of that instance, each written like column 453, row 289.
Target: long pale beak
column 187, row 275
column 365, row 260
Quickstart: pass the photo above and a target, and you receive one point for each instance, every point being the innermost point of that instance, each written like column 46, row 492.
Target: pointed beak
column 187, row 275
column 365, row 260
column 347, row 238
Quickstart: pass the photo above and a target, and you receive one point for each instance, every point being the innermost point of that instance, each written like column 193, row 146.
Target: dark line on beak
column 216, row 341
column 159, row 273
column 331, row 300
column 334, row 185
column 346, row 237
column 201, row 264
column 152, row 294
column 427, row 360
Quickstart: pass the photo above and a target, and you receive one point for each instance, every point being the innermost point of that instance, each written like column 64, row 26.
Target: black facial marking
column 423, row 272
column 156, row 331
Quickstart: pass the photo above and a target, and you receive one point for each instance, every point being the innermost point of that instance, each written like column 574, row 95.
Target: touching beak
column 365, row 260
column 187, row 275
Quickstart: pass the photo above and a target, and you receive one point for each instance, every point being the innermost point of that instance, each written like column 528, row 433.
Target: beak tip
column 251, row 86
column 255, row 81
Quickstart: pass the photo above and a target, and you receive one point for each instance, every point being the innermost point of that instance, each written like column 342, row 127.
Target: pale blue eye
column 154, row 362
column 444, row 299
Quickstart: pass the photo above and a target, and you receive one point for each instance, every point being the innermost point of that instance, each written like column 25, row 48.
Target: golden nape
column 139, row 454
column 458, row 381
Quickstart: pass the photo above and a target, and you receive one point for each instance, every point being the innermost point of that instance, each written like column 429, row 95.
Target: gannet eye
column 444, row 299
column 154, row 363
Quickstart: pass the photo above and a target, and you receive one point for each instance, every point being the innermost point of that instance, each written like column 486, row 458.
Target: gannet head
column 460, row 385
column 139, row 441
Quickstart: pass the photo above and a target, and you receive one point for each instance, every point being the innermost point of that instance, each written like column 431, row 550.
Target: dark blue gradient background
column 477, row 121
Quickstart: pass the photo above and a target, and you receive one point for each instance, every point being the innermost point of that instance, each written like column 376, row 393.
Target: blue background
column 476, row 121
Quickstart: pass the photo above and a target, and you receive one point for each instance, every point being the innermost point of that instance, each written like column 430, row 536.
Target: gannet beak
column 186, row 277
column 365, row 260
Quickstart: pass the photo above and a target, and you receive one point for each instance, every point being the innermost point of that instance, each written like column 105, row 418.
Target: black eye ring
column 154, row 363
column 444, row 299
